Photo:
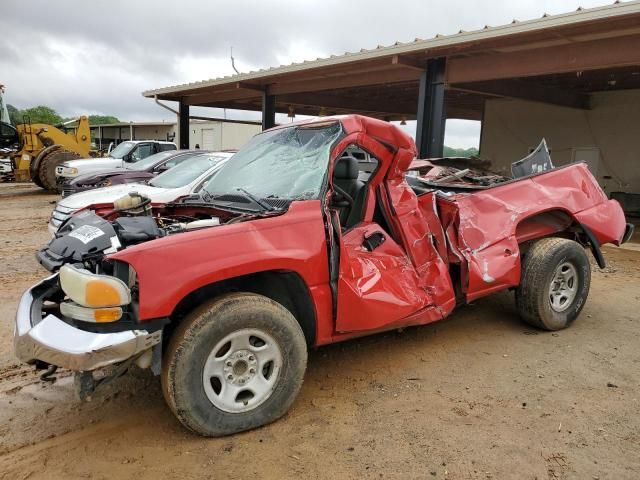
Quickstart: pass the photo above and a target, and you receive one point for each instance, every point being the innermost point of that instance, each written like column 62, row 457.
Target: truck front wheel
column 234, row 364
column 554, row 284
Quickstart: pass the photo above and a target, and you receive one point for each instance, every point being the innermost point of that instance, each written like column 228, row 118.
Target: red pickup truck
column 313, row 233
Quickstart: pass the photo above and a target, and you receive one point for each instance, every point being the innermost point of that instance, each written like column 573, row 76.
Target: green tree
column 102, row 119
column 39, row 114
column 14, row 114
column 44, row 114
column 460, row 152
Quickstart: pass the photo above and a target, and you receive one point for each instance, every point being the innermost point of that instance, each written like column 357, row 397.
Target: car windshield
column 286, row 163
column 186, row 172
column 149, row 162
column 121, row 150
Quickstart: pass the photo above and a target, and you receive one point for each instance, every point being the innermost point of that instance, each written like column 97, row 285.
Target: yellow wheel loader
column 41, row 148
column 32, row 151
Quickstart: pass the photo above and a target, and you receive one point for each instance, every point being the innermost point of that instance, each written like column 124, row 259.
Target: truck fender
column 594, row 245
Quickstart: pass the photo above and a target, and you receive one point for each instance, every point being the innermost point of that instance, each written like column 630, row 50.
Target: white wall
column 220, row 135
column 154, row 132
column 608, row 135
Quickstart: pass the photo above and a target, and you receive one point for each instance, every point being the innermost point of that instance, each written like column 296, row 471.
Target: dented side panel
column 488, row 221
column 376, row 288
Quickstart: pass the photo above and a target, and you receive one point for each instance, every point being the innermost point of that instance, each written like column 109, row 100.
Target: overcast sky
column 85, row 57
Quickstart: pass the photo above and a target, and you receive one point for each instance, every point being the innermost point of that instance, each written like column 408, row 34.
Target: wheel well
column 543, row 224
column 285, row 287
column 556, row 223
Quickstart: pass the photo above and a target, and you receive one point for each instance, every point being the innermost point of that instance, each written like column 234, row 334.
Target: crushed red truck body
column 406, row 281
column 372, row 239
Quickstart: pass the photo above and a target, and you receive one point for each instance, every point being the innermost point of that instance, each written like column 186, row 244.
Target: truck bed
column 484, row 228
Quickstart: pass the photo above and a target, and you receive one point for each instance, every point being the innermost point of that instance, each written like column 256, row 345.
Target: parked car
column 128, row 152
column 137, row 172
column 183, row 179
column 291, row 246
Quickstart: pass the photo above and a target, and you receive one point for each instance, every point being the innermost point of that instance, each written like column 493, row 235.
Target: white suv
column 129, row 151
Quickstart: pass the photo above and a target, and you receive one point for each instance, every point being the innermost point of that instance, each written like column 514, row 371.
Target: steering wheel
column 345, row 196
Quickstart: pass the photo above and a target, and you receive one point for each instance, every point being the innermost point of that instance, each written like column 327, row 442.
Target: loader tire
column 554, row 284
column 36, row 179
column 47, row 168
column 233, row 364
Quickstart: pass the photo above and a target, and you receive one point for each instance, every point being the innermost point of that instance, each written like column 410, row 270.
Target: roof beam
column 237, row 94
column 382, row 77
column 574, row 57
column 454, row 108
column 535, row 92
column 249, row 86
column 387, row 106
column 408, row 63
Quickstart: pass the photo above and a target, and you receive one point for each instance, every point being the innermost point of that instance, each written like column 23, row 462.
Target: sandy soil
column 478, row 396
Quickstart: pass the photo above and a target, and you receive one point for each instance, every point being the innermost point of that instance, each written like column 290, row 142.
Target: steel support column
column 268, row 111
column 431, row 112
column 183, row 125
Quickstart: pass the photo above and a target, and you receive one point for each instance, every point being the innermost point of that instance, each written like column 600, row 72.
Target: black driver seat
column 345, row 176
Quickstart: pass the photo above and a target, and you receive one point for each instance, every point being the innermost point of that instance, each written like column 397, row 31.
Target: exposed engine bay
column 86, row 237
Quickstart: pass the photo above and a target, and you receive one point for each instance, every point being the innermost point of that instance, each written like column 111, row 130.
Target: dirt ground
column 478, row 396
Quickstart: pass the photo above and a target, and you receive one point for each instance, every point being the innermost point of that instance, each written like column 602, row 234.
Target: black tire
column 36, row 179
column 47, row 168
column 193, row 342
column 533, row 295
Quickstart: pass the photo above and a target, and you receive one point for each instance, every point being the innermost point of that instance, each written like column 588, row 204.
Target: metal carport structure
column 557, row 60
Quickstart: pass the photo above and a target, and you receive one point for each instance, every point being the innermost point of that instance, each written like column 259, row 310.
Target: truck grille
column 59, row 215
column 67, row 190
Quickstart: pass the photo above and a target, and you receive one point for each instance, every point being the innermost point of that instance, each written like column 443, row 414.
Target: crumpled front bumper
column 55, row 342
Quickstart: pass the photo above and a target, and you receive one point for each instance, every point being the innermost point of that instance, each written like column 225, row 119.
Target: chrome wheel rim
column 564, row 287
column 242, row 370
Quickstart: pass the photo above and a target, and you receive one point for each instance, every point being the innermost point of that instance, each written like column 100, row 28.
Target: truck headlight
column 93, row 290
column 68, row 171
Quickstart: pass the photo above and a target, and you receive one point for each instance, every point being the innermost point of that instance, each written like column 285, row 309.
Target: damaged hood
column 82, row 200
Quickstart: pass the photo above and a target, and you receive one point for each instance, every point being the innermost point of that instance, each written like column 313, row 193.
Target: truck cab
column 127, row 152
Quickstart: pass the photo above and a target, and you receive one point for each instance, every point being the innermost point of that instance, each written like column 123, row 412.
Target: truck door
column 377, row 285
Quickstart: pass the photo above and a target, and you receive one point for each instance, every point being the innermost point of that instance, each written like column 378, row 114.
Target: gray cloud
column 96, row 57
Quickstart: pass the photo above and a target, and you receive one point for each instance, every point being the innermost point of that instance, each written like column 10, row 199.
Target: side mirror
column 127, row 158
column 162, row 168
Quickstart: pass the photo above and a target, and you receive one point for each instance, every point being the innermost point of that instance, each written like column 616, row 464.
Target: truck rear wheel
column 554, row 284
column 47, row 168
column 234, row 364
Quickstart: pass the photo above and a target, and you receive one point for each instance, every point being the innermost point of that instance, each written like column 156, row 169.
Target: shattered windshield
column 286, row 163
